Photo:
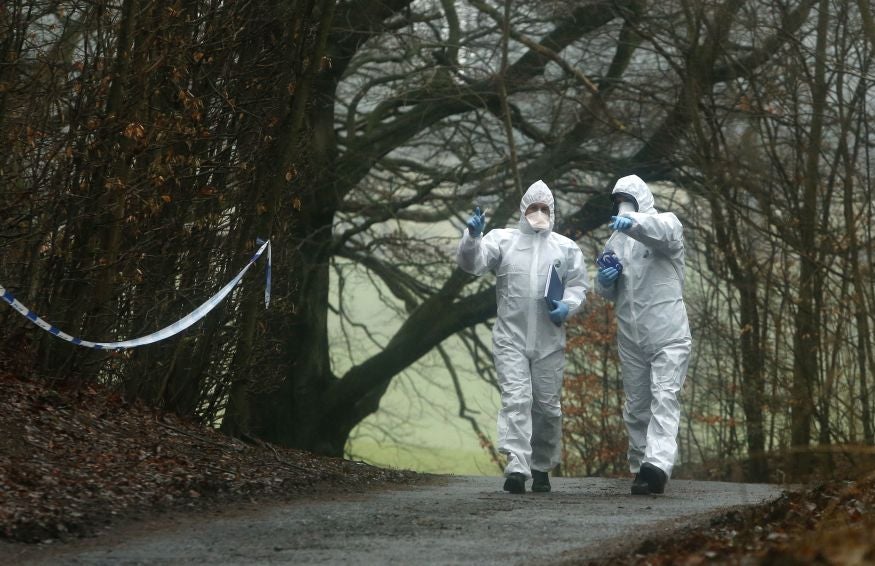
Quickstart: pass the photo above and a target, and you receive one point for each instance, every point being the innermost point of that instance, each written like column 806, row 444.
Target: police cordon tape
column 166, row 332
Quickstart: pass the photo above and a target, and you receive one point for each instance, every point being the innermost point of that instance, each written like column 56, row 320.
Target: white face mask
column 538, row 220
column 626, row 206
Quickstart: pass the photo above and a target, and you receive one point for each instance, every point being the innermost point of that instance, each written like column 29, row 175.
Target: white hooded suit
column 528, row 349
column 653, row 333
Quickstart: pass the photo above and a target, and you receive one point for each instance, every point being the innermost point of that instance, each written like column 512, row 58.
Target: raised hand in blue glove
column 477, row 222
column 607, row 276
column 559, row 312
column 620, row 223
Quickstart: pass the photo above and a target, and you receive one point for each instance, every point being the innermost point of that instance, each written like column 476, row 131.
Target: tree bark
column 807, row 331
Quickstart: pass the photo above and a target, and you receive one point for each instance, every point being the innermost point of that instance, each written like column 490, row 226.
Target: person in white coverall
column 653, row 333
column 528, row 339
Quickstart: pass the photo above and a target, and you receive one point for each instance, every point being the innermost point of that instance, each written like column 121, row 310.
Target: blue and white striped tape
column 166, row 332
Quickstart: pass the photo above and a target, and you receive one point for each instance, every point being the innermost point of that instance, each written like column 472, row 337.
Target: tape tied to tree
column 165, row 332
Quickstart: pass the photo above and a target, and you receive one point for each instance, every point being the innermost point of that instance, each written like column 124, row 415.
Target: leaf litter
column 75, row 459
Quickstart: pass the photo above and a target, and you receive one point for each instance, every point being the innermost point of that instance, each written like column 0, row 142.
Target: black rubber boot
column 655, row 478
column 640, row 486
column 540, row 481
column 515, row 483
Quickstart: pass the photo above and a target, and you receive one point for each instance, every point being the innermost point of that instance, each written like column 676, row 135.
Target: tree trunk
column 302, row 303
column 744, row 278
column 807, row 331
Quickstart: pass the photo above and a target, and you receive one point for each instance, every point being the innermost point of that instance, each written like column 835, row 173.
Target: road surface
column 458, row 520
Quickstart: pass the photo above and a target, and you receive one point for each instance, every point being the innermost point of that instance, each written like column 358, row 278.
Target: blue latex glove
column 620, row 223
column 607, row 276
column 559, row 312
column 477, row 223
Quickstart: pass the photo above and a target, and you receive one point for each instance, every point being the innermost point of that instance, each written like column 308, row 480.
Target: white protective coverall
column 653, row 333
column 528, row 349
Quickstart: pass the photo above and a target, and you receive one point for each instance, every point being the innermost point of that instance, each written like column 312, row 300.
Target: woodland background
column 148, row 144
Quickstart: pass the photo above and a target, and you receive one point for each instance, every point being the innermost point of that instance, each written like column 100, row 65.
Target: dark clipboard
column 554, row 290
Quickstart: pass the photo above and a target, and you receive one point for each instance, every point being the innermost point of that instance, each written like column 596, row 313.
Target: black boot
column 655, row 478
column 540, row 481
column 515, row 483
column 640, row 486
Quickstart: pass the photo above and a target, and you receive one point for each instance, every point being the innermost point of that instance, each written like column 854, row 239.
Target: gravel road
column 457, row 520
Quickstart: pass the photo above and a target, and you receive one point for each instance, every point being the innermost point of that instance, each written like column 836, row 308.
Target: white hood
column 635, row 187
column 537, row 192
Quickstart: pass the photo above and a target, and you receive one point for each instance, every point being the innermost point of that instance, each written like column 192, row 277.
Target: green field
column 436, row 460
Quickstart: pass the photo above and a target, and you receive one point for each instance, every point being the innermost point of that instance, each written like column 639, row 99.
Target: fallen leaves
column 72, row 460
column 832, row 523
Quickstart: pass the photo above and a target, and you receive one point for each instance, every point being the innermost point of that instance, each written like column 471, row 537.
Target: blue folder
column 554, row 290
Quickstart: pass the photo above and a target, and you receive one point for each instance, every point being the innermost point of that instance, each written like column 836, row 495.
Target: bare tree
column 341, row 129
